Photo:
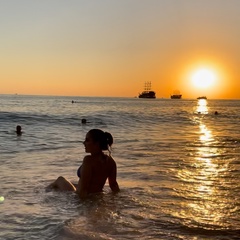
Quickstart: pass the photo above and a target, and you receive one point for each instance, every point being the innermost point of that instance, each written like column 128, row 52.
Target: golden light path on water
column 204, row 175
column 202, row 107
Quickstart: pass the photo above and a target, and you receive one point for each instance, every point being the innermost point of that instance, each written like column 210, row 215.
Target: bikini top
column 79, row 172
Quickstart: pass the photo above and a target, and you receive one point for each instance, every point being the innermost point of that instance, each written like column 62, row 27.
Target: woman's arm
column 112, row 179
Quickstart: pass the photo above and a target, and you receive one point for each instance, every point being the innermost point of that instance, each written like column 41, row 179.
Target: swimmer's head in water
column 19, row 129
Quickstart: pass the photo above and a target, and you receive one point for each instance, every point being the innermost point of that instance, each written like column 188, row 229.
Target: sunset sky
column 110, row 48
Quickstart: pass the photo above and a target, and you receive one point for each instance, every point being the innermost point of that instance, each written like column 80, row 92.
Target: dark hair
column 105, row 139
column 18, row 129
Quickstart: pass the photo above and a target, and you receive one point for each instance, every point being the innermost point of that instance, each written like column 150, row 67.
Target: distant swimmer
column 19, row 130
column 216, row 113
column 84, row 121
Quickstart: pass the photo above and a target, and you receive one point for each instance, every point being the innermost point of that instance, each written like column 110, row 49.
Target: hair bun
column 109, row 138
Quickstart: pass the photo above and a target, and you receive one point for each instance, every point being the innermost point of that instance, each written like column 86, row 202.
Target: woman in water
column 96, row 168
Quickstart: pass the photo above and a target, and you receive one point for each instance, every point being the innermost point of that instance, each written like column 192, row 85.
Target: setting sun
column 203, row 78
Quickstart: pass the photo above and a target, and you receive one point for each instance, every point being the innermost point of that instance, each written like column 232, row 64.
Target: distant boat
column 176, row 95
column 202, row 97
column 147, row 93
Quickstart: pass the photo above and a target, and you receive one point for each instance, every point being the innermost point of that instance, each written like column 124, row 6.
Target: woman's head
column 103, row 139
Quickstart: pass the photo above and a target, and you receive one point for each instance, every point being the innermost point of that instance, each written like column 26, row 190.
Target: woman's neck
column 97, row 154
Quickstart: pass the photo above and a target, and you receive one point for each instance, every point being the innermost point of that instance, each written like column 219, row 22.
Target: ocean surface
column 178, row 168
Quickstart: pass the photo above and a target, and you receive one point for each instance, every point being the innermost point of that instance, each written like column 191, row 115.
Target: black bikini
column 79, row 172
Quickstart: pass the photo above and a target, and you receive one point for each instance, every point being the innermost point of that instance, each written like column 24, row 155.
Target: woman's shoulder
column 87, row 159
column 110, row 160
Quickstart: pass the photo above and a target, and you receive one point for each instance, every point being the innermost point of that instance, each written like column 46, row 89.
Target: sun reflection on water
column 204, row 176
column 205, row 134
column 202, row 106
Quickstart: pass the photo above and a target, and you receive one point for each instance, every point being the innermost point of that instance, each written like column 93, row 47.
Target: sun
column 203, row 78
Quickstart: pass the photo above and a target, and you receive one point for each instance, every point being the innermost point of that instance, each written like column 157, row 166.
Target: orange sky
column 110, row 48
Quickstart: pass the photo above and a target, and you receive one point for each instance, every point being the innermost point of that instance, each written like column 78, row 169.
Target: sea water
column 178, row 168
